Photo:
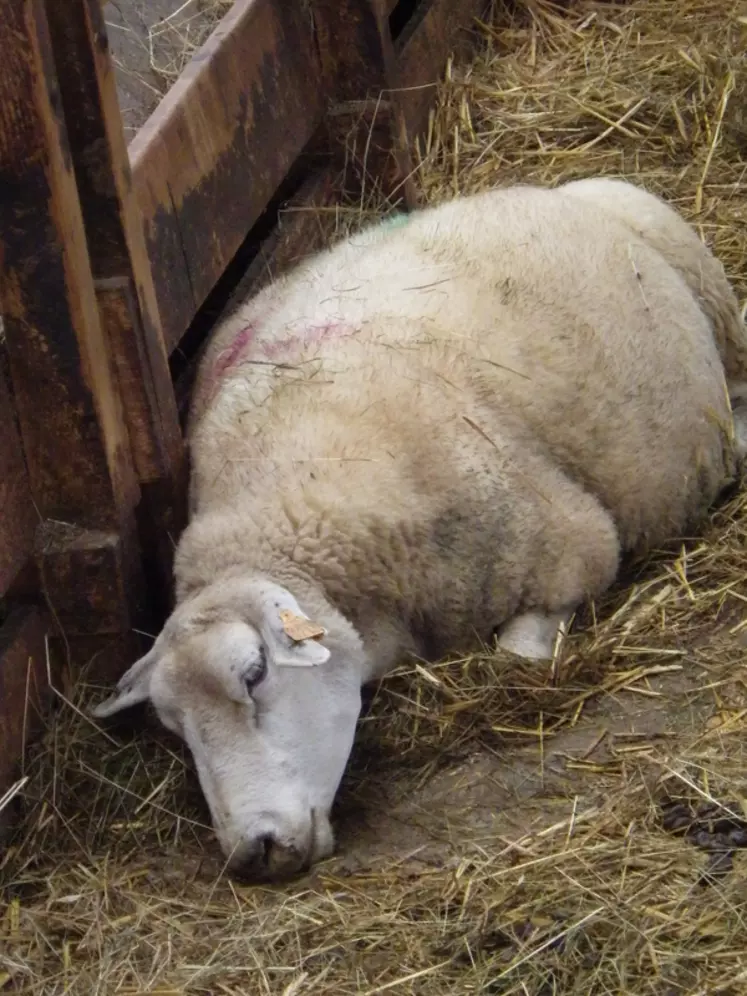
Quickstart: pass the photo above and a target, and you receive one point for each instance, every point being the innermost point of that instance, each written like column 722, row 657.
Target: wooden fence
column 109, row 253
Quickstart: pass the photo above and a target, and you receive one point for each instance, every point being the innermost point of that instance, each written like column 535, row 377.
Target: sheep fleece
column 440, row 424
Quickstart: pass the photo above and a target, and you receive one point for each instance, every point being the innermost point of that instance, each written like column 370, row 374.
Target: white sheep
column 429, row 433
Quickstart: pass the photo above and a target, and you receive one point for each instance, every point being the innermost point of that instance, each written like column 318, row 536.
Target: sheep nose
column 264, row 858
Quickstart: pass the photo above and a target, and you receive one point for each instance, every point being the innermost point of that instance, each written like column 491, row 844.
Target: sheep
column 431, row 435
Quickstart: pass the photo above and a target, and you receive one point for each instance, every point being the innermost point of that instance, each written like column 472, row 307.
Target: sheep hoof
column 532, row 635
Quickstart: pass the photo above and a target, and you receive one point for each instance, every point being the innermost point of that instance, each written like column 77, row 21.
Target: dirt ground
column 505, row 793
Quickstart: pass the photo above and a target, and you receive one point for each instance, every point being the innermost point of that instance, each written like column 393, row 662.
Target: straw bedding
column 504, row 828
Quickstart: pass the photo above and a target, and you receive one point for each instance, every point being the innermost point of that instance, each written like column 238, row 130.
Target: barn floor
column 579, row 828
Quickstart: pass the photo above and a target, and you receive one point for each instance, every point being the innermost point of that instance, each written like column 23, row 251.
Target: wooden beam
column 17, row 515
column 70, row 553
column 367, row 120
column 213, row 154
column 300, row 231
column 23, row 686
column 439, row 28
column 65, row 388
column 114, row 230
column 74, row 434
column 358, row 63
column 125, row 291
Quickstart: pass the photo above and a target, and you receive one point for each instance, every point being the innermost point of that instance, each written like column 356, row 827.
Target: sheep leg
column 532, row 634
column 580, row 558
column 739, row 414
column 738, row 401
column 740, row 432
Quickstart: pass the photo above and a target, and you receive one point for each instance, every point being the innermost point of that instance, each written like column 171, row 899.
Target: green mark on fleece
column 395, row 221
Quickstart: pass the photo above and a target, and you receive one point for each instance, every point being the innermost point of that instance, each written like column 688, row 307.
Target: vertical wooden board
column 438, row 28
column 354, row 47
column 115, row 234
column 85, row 569
column 211, row 157
column 74, row 435
column 118, row 310
column 65, row 390
column 23, row 686
column 17, row 515
column 367, row 118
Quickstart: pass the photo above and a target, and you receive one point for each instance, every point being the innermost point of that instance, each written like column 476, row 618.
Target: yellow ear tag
column 298, row 628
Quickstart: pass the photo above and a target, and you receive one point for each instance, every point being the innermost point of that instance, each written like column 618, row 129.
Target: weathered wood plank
column 366, row 119
column 69, row 553
column 114, row 230
column 438, row 28
column 75, row 438
column 17, row 516
column 74, row 435
column 23, row 686
column 153, row 457
column 214, row 152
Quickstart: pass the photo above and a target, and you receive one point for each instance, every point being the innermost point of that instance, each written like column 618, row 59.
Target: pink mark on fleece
column 312, row 334
column 232, row 354
column 270, row 351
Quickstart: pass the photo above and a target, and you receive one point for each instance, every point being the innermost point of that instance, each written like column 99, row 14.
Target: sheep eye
column 256, row 671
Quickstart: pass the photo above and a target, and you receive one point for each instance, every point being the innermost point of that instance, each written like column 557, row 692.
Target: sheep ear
column 286, row 652
column 132, row 688
column 292, row 638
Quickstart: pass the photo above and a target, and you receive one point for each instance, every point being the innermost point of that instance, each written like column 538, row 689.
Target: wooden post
column 23, row 691
column 74, row 435
column 128, row 307
column 17, row 516
column 358, row 57
column 114, row 231
column 437, row 28
column 82, row 469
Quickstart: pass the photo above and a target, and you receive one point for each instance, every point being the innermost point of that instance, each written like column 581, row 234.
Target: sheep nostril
column 264, row 858
column 266, row 844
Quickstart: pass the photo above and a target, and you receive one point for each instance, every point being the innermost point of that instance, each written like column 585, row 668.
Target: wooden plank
column 367, row 120
column 214, row 152
column 438, row 28
column 75, row 438
column 116, row 242
column 70, row 553
column 17, row 516
column 74, row 435
column 23, row 686
column 153, row 427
